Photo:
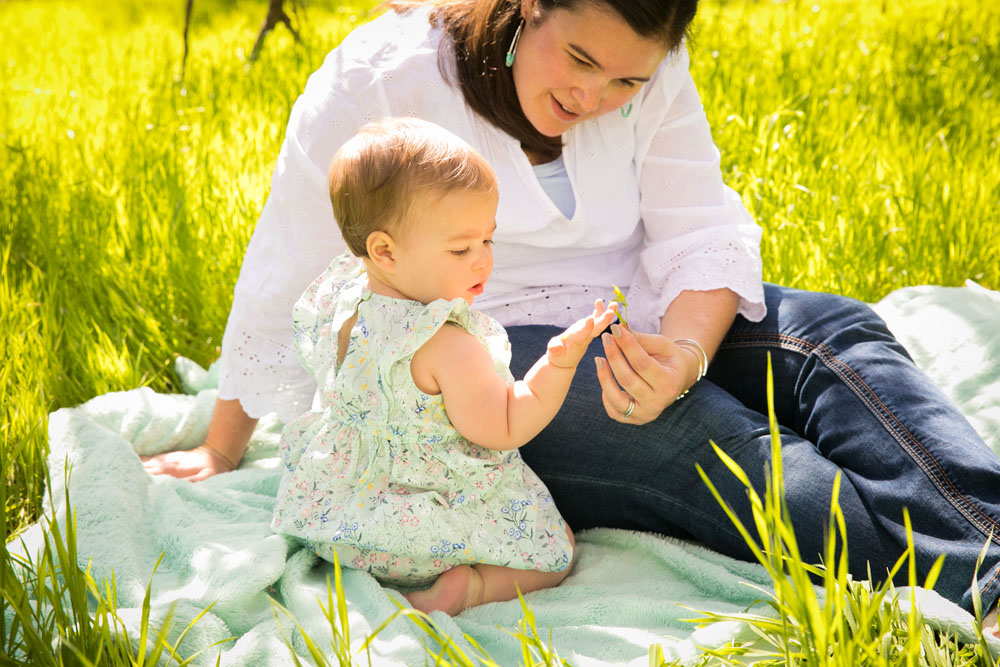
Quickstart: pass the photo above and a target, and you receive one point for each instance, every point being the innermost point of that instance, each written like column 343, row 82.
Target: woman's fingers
column 630, row 364
column 640, row 376
column 199, row 476
column 193, row 465
column 609, row 387
column 616, row 401
column 623, row 390
column 671, row 361
column 648, row 369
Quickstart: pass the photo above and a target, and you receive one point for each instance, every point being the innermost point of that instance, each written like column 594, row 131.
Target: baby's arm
column 480, row 405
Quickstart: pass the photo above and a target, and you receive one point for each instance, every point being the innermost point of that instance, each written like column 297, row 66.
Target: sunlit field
column 863, row 136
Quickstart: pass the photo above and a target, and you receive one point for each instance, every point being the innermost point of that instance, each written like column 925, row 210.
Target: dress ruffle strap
column 316, row 322
column 416, row 333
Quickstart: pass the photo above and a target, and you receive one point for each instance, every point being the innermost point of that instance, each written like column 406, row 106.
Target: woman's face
column 572, row 65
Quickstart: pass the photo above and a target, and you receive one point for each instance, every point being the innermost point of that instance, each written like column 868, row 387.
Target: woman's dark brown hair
column 481, row 32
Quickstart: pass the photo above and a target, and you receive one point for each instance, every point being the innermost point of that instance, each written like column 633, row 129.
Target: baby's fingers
column 598, row 308
column 602, row 317
column 605, row 318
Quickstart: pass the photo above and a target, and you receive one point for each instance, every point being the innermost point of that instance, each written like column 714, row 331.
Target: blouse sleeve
column 697, row 233
column 295, row 237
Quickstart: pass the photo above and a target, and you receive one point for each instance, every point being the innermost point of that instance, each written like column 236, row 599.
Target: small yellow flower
column 622, row 305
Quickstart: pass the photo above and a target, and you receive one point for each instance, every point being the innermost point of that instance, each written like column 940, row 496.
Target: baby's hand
column 568, row 348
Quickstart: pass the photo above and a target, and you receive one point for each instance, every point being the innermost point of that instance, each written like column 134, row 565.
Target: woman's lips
column 561, row 112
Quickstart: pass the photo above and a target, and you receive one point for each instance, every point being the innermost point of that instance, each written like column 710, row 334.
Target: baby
column 407, row 466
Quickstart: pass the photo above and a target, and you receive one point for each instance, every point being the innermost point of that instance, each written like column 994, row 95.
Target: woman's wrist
column 221, row 456
column 700, row 366
column 229, row 432
column 698, row 321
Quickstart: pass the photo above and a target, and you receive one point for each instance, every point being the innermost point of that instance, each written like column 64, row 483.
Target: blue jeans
column 849, row 399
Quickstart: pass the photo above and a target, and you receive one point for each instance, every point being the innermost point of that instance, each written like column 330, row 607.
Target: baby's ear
column 381, row 250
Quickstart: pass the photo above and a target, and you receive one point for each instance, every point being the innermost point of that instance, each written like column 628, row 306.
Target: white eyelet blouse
column 652, row 214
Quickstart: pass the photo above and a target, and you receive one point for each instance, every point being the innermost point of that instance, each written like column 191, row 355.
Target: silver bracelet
column 702, row 356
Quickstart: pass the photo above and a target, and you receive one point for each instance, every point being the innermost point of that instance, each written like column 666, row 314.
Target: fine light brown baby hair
column 380, row 172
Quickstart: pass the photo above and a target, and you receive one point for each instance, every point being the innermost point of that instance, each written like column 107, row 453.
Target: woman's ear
column 381, row 250
column 527, row 6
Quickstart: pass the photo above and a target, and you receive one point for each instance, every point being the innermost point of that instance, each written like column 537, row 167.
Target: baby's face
column 446, row 249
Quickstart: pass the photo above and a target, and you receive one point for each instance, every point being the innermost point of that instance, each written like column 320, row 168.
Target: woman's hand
column 192, row 465
column 645, row 371
column 226, row 440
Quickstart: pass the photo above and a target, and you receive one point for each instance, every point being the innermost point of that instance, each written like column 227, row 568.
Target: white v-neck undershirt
column 555, row 183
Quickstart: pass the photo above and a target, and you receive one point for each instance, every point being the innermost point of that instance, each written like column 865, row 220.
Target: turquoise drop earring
column 626, row 110
column 513, row 44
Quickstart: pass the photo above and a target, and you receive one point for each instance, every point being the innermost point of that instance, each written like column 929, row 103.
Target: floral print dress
column 376, row 473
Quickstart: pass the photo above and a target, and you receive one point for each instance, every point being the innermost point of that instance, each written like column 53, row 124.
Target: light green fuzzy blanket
column 627, row 591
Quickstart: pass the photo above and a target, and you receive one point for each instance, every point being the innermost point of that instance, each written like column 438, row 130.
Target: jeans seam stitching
column 989, row 584
column 924, row 458
column 902, row 435
column 783, row 341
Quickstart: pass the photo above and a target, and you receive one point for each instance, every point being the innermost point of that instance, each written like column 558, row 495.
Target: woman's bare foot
column 455, row 590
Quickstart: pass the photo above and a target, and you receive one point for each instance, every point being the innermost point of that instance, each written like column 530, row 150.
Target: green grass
column 853, row 622
column 127, row 197
column 864, row 137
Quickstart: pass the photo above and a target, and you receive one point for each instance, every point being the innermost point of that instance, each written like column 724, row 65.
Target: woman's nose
column 588, row 95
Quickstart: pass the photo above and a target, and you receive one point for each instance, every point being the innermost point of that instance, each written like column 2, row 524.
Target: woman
column 608, row 175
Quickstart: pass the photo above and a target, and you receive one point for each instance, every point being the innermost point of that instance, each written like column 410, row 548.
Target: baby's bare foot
column 453, row 591
column 990, row 626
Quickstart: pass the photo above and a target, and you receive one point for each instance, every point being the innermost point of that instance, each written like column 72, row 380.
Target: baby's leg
column 467, row 586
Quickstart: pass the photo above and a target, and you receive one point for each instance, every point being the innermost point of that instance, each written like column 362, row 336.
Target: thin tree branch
column 275, row 15
column 187, row 24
